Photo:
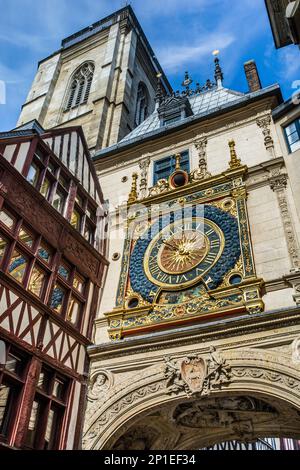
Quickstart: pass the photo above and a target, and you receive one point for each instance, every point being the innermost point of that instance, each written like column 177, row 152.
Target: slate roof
column 202, row 103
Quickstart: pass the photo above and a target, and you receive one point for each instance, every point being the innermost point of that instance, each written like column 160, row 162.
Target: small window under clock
column 166, row 166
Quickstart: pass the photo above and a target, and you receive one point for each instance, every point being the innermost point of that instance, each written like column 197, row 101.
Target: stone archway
column 195, row 388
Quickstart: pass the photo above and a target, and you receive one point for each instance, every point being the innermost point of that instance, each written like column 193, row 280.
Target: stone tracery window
column 80, row 86
column 142, row 104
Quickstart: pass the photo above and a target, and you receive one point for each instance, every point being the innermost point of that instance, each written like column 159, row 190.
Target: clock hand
column 171, row 246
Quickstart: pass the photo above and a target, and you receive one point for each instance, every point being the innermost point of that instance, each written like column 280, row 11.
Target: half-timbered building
column 52, row 263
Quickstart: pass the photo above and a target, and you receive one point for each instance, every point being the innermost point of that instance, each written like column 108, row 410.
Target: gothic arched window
column 142, row 104
column 80, row 86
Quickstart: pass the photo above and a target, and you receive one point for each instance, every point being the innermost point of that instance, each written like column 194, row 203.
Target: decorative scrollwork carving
column 196, row 375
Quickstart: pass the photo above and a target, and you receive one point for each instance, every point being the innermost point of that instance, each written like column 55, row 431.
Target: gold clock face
column 183, row 252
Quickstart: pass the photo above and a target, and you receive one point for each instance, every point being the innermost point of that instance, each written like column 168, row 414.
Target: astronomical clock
column 187, row 255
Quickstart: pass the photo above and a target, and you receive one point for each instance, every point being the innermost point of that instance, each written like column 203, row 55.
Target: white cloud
column 290, row 64
column 174, row 57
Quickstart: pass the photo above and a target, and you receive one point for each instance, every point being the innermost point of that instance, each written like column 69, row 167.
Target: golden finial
column 235, row 162
column 133, row 193
column 178, row 162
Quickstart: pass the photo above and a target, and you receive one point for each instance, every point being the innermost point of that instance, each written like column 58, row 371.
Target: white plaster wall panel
column 86, row 174
column 66, row 139
column 81, row 360
column 73, row 152
column 9, row 151
column 88, row 309
column 22, row 154
column 57, row 145
column 74, row 417
column 79, row 170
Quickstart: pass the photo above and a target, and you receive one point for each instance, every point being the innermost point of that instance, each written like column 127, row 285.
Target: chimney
column 252, row 76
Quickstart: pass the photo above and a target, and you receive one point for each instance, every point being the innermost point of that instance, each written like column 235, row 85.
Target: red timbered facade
column 52, row 266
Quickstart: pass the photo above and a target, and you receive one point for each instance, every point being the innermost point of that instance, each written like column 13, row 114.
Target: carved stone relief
column 296, row 351
column 138, row 438
column 201, row 172
column 264, row 123
column 196, row 375
column 144, row 167
column 278, row 183
column 217, row 382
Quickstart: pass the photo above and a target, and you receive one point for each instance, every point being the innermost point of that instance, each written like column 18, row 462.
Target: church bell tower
column 103, row 78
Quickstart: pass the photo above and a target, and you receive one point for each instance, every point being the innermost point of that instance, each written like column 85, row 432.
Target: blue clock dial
column 181, row 249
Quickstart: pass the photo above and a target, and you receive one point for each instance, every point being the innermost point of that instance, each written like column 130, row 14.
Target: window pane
column 33, row 422
column 7, row 219
column 45, row 188
column 17, row 266
column 52, row 168
column 3, row 245
column 75, row 220
column 33, row 174
column 59, row 388
column 14, row 364
column 39, row 154
column 295, row 146
column 57, row 300
column 74, row 311
column 50, row 423
column 52, row 429
column 44, row 253
column 290, row 129
column 294, row 137
column 6, row 398
column 36, row 282
column 78, row 200
column 44, row 379
column 165, row 167
column 89, row 234
column 91, row 213
column 59, row 202
column 63, row 182
column 64, row 271
column 78, row 283
column 26, row 238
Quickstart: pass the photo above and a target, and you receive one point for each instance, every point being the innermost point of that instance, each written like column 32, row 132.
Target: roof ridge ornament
column 187, row 82
column 235, row 162
column 133, row 196
column 159, row 93
column 219, row 76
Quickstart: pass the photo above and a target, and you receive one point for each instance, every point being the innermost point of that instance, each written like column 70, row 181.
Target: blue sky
column 182, row 34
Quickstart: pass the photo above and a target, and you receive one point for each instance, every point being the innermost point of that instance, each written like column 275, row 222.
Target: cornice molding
column 215, row 330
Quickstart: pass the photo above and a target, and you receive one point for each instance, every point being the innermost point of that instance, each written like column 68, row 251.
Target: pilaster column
column 144, row 167
column 201, row 172
column 264, row 123
column 278, row 183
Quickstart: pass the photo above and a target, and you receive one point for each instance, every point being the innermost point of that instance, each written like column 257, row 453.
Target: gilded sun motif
column 183, row 252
